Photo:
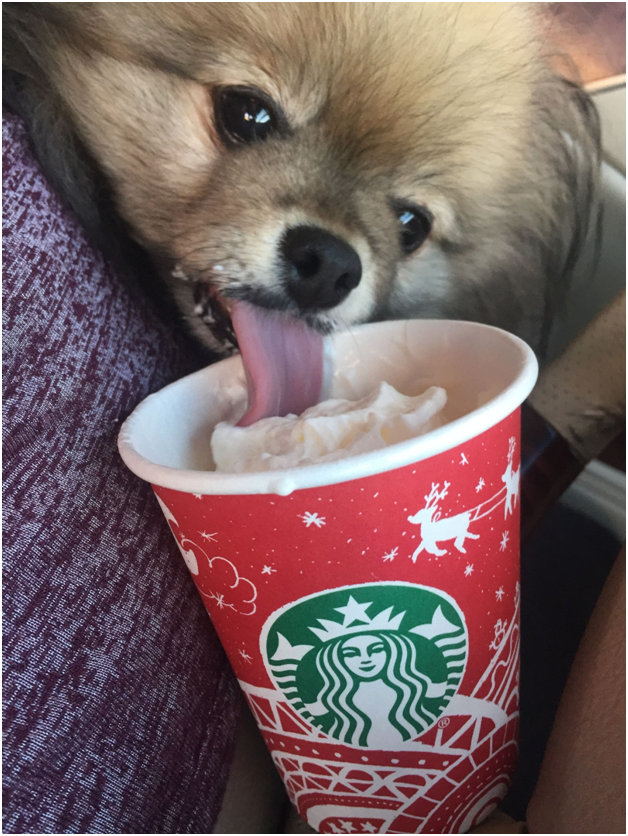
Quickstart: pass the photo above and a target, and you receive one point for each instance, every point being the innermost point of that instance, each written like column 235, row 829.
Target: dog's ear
column 30, row 39
column 574, row 150
column 29, row 42
column 58, row 150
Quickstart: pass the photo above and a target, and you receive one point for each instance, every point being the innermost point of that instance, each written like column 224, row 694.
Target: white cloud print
column 225, row 586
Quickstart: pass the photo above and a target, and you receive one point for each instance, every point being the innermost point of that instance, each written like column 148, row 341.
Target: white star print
column 267, row 570
column 198, row 495
column 504, row 542
column 347, row 827
column 391, row 554
column 480, row 485
column 367, row 827
column 211, row 538
column 354, row 612
column 312, row 519
column 499, row 594
column 246, row 656
column 469, row 570
column 463, row 459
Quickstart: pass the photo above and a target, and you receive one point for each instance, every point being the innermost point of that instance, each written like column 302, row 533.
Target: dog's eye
column 416, row 224
column 244, row 116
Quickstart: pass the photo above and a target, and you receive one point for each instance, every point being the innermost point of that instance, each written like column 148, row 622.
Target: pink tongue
column 283, row 362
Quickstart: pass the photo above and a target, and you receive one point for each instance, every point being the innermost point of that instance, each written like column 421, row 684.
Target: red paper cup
column 370, row 606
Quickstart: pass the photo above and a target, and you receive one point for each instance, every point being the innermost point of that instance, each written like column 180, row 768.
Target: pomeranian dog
column 341, row 162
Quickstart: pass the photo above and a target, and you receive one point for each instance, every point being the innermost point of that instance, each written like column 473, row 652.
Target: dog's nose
column 322, row 269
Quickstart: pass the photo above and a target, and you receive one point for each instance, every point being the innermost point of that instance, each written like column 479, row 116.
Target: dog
column 340, row 162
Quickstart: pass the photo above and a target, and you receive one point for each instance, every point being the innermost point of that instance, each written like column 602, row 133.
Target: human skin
column 582, row 784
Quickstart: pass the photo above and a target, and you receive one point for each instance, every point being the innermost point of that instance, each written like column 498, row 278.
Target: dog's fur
column 445, row 105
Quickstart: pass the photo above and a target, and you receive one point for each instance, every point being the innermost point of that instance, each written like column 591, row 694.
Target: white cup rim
column 284, row 482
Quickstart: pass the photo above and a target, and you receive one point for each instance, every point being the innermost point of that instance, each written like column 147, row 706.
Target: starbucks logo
column 370, row 665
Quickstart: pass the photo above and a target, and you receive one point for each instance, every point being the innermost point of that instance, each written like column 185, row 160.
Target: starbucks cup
column 369, row 606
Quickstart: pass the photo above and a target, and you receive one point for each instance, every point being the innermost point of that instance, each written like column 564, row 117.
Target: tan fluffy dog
column 340, row 161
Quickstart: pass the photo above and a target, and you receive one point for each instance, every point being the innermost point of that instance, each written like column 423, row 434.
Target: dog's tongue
column 283, row 362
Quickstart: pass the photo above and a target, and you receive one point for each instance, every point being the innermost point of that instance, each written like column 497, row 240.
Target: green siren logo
column 370, row 665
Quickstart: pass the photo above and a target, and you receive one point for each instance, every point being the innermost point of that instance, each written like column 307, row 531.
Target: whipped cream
column 331, row 430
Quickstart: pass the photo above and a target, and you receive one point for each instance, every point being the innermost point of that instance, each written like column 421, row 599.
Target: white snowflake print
column 480, row 485
column 246, row 656
column 504, row 542
column 267, row 570
column 312, row 519
column 499, row 594
column 392, row 554
column 211, row 538
column 463, row 459
column 469, row 570
column 219, row 598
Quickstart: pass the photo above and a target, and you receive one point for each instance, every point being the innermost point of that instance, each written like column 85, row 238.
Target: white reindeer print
column 511, row 480
column 434, row 530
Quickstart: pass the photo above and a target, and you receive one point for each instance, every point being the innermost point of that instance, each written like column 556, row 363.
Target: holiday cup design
column 373, row 620
column 392, row 703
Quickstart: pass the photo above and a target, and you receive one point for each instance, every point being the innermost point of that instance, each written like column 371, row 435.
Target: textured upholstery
column 120, row 708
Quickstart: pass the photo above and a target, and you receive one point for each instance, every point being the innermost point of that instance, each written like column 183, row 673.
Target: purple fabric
column 120, row 708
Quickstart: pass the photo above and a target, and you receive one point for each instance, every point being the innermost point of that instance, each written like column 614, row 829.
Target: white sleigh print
column 511, row 479
column 435, row 530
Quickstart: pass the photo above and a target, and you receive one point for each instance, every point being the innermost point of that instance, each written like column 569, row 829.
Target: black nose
column 322, row 270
